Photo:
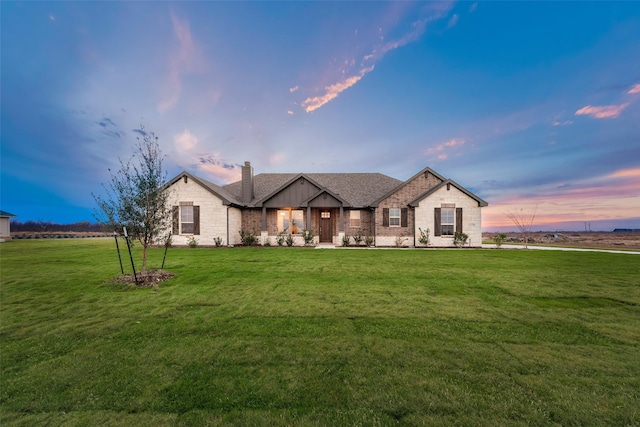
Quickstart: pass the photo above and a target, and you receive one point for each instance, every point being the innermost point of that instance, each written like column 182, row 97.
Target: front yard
column 295, row 336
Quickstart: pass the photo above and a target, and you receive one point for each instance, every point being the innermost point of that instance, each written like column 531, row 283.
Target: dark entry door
column 326, row 227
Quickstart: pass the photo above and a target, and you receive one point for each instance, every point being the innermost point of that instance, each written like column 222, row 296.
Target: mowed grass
column 293, row 336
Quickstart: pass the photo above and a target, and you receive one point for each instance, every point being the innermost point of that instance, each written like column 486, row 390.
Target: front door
column 326, row 227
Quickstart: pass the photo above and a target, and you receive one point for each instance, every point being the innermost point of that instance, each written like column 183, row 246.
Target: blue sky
column 534, row 106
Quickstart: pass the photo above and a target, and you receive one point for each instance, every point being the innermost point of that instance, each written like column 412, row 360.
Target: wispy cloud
column 634, row 89
column 626, row 173
column 332, row 91
column 293, row 89
column 439, row 149
column 217, row 169
column 435, row 11
column 602, row 112
column 186, row 58
column 453, row 21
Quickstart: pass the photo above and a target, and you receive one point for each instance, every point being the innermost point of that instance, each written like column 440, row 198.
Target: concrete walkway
column 558, row 248
column 505, row 247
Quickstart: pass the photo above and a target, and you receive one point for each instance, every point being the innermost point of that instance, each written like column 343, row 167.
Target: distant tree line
column 48, row 226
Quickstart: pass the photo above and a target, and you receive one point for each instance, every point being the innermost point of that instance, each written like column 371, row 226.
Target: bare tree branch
column 524, row 223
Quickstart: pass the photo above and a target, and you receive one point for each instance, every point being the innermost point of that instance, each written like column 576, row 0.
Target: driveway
column 558, row 248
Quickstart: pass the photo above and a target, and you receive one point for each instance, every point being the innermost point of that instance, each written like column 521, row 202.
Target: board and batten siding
column 471, row 216
column 214, row 216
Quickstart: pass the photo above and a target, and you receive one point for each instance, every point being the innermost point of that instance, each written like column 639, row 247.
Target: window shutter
column 176, row 220
column 437, row 227
column 459, row 220
column 385, row 217
column 196, row 220
column 404, row 217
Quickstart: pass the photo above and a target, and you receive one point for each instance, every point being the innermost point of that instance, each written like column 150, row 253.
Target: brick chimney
column 247, row 183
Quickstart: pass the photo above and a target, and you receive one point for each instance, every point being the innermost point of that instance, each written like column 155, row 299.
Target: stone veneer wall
column 214, row 216
column 471, row 216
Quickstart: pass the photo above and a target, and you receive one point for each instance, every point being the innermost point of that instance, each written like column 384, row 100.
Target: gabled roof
column 403, row 183
column 416, row 202
column 320, row 193
column 357, row 189
column 224, row 195
column 7, row 214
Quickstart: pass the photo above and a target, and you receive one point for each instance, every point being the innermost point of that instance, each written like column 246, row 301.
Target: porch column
column 308, row 217
column 264, row 218
column 341, row 219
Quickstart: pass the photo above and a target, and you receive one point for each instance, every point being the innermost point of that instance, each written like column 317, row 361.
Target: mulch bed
column 146, row 279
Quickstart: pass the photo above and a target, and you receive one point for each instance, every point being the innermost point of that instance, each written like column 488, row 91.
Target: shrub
column 345, row 240
column 248, row 238
column 499, row 239
column 368, row 241
column 308, row 236
column 218, row 241
column 424, row 237
column 460, row 239
column 400, row 241
column 289, row 240
column 192, row 242
column 280, row 238
column 358, row 238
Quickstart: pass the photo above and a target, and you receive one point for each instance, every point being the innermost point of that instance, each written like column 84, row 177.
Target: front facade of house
column 5, row 225
column 378, row 208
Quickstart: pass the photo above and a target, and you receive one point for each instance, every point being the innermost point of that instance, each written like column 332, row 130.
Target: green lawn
column 293, row 336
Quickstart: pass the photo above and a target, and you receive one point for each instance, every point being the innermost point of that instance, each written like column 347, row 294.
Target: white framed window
column 291, row 220
column 447, row 220
column 394, row 217
column 354, row 218
column 186, row 218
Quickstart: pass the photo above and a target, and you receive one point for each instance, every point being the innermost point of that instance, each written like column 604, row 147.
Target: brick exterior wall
column 386, row 236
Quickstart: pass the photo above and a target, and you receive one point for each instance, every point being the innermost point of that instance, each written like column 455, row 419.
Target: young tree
column 524, row 222
column 135, row 197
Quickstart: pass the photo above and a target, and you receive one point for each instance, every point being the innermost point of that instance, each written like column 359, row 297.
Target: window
column 354, row 219
column 447, row 216
column 186, row 218
column 325, row 215
column 447, row 220
column 394, row 217
column 291, row 220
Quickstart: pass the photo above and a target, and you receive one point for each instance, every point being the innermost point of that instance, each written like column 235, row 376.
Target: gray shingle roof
column 358, row 189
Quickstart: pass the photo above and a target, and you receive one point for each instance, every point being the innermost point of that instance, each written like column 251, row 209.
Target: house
column 5, row 225
column 332, row 205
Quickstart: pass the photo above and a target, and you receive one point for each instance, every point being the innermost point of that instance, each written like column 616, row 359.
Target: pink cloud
column 434, row 11
column 634, row 89
column 332, row 91
column 440, row 148
column 186, row 58
column 602, row 112
column 185, row 141
column 603, row 197
column 626, row 173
